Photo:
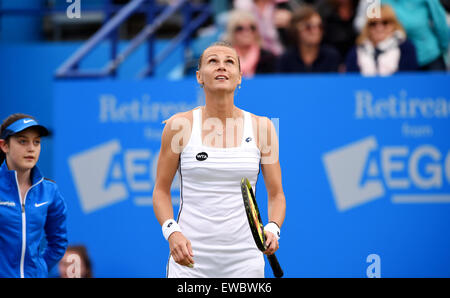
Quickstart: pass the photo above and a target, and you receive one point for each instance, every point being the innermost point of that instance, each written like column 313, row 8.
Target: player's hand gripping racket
column 254, row 219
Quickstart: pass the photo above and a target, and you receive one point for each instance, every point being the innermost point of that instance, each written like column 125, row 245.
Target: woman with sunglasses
column 308, row 55
column 243, row 34
column 31, row 207
column 382, row 47
column 425, row 24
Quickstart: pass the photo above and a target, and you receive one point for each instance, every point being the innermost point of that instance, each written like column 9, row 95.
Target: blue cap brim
column 21, row 125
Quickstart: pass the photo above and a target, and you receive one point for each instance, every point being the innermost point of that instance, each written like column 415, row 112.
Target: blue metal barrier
column 145, row 33
column 115, row 16
column 69, row 68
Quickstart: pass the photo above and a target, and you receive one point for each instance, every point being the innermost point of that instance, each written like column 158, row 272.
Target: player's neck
column 23, row 181
column 23, row 175
column 221, row 107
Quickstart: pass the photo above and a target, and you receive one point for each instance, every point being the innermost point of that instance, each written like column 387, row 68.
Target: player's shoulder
column 49, row 181
column 49, row 185
column 259, row 119
column 253, row 116
column 188, row 115
column 178, row 123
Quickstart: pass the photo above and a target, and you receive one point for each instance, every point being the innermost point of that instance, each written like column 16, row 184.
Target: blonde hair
column 386, row 12
column 234, row 18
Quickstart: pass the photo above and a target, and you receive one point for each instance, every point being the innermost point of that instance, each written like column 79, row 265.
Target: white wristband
column 273, row 228
column 170, row 226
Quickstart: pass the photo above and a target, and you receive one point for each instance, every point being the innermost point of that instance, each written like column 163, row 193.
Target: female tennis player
column 31, row 206
column 213, row 147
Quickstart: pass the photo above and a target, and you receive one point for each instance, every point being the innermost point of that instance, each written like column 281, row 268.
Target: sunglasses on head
column 373, row 24
column 241, row 28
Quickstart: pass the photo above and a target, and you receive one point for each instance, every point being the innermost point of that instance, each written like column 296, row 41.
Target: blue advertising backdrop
column 365, row 164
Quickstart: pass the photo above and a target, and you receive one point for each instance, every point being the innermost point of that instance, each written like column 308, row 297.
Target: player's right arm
column 174, row 138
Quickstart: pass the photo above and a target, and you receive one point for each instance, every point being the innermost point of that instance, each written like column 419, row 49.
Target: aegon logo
column 362, row 172
column 107, row 174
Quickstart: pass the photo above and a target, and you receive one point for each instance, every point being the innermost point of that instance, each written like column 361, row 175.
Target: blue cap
column 21, row 125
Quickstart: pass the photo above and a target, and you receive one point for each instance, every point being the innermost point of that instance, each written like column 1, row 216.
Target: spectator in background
column 308, row 54
column 425, row 24
column 382, row 47
column 269, row 18
column 75, row 263
column 243, row 34
column 338, row 17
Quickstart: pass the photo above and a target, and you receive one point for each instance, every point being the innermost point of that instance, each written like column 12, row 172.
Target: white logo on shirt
column 40, row 204
column 9, row 204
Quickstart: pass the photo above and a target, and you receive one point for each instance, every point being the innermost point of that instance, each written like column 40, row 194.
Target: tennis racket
column 254, row 220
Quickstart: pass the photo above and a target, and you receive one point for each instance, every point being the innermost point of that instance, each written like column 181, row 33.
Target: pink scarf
column 249, row 61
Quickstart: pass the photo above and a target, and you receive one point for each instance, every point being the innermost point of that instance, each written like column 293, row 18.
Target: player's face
column 219, row 69
column 23, row 150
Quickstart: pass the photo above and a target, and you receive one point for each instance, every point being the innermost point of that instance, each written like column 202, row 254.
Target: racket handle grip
column 276, row 268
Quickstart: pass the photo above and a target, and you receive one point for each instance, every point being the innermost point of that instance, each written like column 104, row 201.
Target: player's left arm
column 271, row 170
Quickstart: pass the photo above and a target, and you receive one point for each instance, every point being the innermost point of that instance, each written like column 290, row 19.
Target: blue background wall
column 386, row 140
column 319, row 124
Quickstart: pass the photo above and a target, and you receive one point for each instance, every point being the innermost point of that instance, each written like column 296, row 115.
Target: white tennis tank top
column 212, row 214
